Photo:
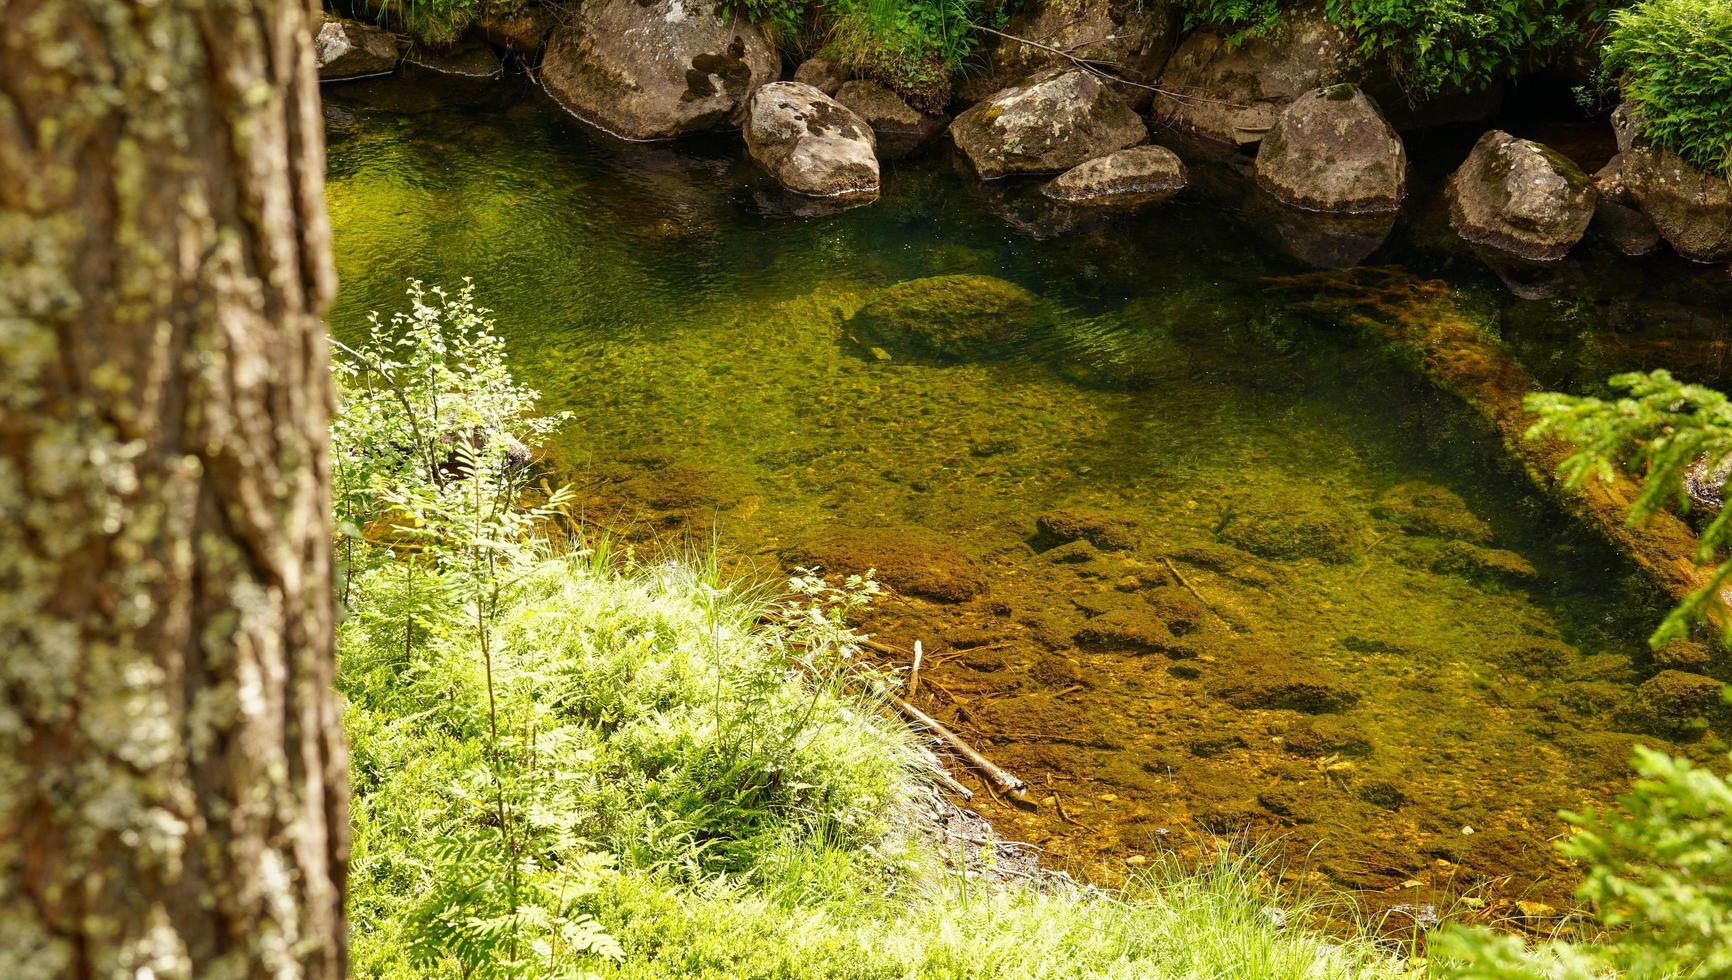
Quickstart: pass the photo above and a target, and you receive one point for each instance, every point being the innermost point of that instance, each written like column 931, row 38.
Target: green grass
column 681, row 803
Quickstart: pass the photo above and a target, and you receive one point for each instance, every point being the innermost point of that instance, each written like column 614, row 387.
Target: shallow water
column 696, row 330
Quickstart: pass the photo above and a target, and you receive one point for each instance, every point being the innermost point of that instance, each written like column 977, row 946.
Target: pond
column 1189, row 560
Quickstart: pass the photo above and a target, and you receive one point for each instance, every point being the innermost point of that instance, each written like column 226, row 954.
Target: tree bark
column 173, row 789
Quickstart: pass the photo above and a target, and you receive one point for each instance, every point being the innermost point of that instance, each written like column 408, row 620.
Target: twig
column 1192, row 589
column 1063, row 814
column 1093, row 67
column 1012, row 786
column 914, row 671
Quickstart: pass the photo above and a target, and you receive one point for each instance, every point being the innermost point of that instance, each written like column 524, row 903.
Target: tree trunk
column 173, row 790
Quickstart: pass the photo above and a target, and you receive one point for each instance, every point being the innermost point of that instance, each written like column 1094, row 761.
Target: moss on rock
column 1292, row 529
column 950, row 319
column 908, row 560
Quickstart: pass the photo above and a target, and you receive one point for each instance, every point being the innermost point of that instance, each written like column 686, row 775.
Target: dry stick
column 914, row 671
column 1058, row 802
column 1012, row 786
column 1093, row 67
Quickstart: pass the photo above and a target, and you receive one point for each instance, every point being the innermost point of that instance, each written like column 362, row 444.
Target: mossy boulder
column 350, row 49
column 1131, row 630
column 1050, row 123
column 910, row 561
column 1104, row 531
column 951, row 319
column 1482, row 565
column 1292, row 529
column 1269, row 680
column 1520, row 198
column 1535, row 656
column 1675, row 700
column 1427, row 509
column 1332, row 150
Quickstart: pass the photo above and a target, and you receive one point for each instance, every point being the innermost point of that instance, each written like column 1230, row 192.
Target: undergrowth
column 568, row 762
column 1673, row 60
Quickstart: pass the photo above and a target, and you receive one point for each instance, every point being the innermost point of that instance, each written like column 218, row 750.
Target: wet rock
column 909, row 560
column 1047, row 124
column 1690, row 209
column 949, row 319
column 812, row 144
column 1104, row 531
column 1127, row 179
column 900, row 128
column 1535, row 656
column 1133, row 36
column 1628, row 230
column 521, row 31
column 822, row 74
column 1520, row 198
column 1331, row 150
column 1427, row 509
column 651, row 69
column 471, row 58
column 1077, row 552
column 1314, row 738
column 350, row 49
column 1484, row 565
column 1293, row 529
column 1129, row 630
column 1233, row 93
column 1275, row 681
column 1676, row 700
column 1382, row 793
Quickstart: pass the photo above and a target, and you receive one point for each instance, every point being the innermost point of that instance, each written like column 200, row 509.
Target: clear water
column 695, row 329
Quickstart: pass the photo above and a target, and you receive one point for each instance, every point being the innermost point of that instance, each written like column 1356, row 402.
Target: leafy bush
column 1673, row 59
column 1430, row 46
column 435, row 22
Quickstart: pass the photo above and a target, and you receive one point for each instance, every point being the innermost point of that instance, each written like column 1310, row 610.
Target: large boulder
column 1691, row 209
column 1132, row 37
column 1124, row 179
column 1233, row 93
column 812, row 144
column 948, row 319
column 1332, row 150
column 900, row 128
column 1050, row 123
column 1519, row 197
column 651, row 70
column 350, row 49
column 822, row 74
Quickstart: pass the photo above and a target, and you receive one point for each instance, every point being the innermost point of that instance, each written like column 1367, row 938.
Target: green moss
column 1298, row 527
column 951, row 318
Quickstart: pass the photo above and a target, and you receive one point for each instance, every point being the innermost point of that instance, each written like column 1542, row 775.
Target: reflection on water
column 1185, row 560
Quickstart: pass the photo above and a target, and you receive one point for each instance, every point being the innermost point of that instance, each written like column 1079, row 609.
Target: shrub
column 1673, row 60
column 912, row 46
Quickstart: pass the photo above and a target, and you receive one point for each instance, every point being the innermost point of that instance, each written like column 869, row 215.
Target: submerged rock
column 1535, row 656
column 911, row 561
column 1427, row 509
column 949, row 319
column 1676, row 700
column 1521, row 198
column 1479, row 564
column 656, row 68
column 1275, row 681
column 1331, row 150
column 1291, row 529
column 1320, row 239
column 1130, row 629
column 1233, row 93
column 350, row 49
column 1125, row 179
column 1314, row 738
column 812, row 144
column 1135, row 37
column 1104, row 531
column 1050, row 123
column 900, row 128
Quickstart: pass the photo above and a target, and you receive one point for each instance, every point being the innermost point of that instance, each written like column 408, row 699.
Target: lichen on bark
column 172, row 781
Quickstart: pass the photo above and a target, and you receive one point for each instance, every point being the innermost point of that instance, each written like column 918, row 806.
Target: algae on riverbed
column 1279, row 644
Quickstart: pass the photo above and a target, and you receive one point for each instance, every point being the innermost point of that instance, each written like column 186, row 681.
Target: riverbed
column 1195, row 564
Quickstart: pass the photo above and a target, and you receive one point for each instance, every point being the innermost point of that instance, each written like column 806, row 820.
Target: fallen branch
column 1011, row 786
column 1192, row 589
column 1094, row 67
